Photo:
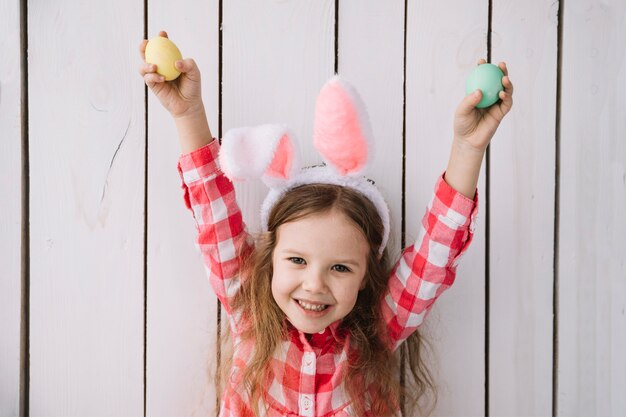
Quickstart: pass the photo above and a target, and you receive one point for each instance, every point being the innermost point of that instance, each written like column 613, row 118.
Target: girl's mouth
column 312, row 307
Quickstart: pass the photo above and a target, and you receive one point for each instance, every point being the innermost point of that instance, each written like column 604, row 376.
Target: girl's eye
column 340, row 268
column 296, row 260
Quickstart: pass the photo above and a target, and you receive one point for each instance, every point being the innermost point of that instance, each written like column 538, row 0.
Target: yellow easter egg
column 162, row 52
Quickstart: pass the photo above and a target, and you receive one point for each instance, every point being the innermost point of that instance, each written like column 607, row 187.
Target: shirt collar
column 320, row 339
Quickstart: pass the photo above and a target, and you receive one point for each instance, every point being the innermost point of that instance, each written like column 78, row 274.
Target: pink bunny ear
column 283, row 162
column 267, row 152
column 342, row 133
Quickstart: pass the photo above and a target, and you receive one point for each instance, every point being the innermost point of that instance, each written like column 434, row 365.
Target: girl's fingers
column 186, row 65
column 163, row 33
column 481, row 61
column 507, row 84
column 502, row 66
column 189, row 67
column 153, row 78
column 507, row 101
column 507, row 95
column 147, row 69
column 469, row 103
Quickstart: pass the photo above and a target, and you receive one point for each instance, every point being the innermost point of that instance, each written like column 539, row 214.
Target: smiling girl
column 316, row 314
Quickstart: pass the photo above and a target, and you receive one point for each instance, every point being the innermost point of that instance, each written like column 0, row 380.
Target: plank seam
column 487, row 228
column 557, row 194
column 24, row 388
column 145, row 230
column 403, row 191
column 336, row 37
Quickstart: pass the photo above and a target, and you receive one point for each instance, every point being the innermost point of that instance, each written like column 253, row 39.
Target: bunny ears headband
column 341, row 134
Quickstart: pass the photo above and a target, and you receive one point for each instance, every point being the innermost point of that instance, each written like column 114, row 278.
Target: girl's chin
column 311, row 331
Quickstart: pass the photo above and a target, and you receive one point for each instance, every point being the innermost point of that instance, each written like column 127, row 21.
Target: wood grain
column 86, row 208
column 592, row 226
column 277, row 56
column 522, row 213
column 10, row 207
column 444, row 41
column 182, row 309
column 376, row 71
column 88, row 199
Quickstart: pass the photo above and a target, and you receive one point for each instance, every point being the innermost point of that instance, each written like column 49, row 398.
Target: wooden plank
column 522, row 213
column 371, row 57
column 276, row 58
column 182, row 309
column 10, row 207
column 86, row 208
column 444, row 41
column 592, row 226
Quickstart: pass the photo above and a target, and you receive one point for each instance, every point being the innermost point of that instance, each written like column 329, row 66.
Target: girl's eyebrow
column 292, row 252
column 350, row 261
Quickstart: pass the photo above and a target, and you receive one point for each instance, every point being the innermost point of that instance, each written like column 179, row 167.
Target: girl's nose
column 314, row 282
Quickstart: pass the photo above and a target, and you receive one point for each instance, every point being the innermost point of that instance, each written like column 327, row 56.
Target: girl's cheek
column 349, row 295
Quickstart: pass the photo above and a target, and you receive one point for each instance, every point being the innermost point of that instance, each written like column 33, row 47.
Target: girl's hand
column 474, row 128
column 182, row 97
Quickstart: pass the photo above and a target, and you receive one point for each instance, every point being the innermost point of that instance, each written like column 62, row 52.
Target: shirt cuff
column 453, row 205
column 201, row 163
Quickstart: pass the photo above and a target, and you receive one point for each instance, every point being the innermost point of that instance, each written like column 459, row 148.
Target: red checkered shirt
column 306, row 374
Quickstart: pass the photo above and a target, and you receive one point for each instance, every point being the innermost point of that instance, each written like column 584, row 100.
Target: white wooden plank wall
column 182, row 310
column 10, row 207
column 444, row 41
column 86, row 124
column 522, row 184
column 276, row 56
column 377, row 73
column 592, row 231
column 122, row 318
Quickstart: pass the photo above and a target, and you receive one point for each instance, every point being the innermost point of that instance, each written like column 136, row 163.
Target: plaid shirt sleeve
column 222, row 238
column 428, row 267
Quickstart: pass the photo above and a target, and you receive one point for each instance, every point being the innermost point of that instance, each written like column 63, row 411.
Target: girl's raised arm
column 208, row 194
column 473, row 130
column 222, row 237
column 427, row 268
column 182, row 98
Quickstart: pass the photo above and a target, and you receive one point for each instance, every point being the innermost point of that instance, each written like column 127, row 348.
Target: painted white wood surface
column 277, row 56
column 86, row 208
column 522, row 185
column 444, row 41
column 592, row 226
column 87, row 196
column 376, row 71
column 10, row 207
column 182, row 309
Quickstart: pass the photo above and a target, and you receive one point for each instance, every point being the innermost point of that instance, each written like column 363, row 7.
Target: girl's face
column 319, row 265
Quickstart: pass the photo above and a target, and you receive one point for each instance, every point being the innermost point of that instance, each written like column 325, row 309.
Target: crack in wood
column 106, row 180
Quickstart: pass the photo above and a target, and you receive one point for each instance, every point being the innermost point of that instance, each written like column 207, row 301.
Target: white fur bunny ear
column 342, row 133
column 267, row 152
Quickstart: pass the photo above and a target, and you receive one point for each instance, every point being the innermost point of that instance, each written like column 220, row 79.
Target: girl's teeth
column 312, row 307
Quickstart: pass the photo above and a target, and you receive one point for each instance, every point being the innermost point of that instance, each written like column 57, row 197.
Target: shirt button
column 309, row 362
column 306, row 402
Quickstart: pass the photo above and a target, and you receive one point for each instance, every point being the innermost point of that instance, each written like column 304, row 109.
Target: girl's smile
column 319, row 264
column 313, row 310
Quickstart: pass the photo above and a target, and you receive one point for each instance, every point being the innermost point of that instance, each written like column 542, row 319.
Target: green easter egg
column 487, row 78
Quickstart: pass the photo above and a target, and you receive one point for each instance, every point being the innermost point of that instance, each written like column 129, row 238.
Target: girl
column 315, row 314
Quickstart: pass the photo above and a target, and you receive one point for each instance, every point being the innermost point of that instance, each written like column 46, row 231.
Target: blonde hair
column 372, row 368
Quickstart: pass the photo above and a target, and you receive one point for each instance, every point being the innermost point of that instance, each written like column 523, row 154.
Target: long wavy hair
column 372, row 375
